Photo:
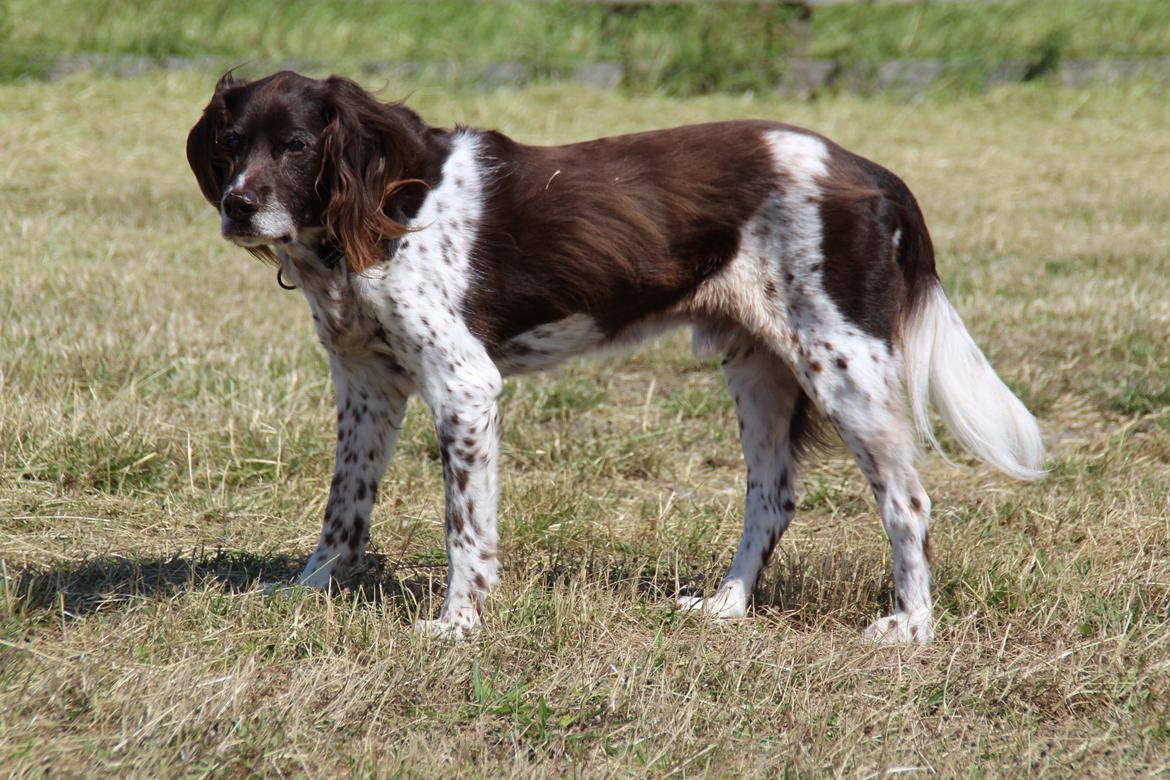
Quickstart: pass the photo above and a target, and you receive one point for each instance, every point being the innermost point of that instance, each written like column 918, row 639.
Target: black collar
column 330, row 254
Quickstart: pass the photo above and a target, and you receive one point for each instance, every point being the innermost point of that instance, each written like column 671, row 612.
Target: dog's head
column 284, row 155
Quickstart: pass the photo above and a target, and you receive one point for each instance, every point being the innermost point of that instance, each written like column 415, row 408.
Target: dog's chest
column 345, row 324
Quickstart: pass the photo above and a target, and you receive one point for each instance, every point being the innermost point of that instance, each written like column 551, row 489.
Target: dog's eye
column 231, row 142
column 295, row 145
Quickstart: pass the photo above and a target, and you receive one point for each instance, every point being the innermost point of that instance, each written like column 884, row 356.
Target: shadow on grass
column 799, row 588
column 111, row 582
column 794, row 588
column 805, row 588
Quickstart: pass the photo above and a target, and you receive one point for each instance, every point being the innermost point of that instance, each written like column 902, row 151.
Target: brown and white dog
column 439, row 261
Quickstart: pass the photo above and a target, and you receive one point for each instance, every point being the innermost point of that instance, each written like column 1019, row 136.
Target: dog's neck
column 314, row 247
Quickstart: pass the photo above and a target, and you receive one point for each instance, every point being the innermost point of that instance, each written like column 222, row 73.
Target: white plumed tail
column 944, row 363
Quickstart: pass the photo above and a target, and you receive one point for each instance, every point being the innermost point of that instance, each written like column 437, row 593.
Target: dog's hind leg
column 765, row 393
column 855, row 380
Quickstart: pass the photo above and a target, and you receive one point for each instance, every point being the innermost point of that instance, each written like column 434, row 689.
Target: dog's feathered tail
column 943, row 364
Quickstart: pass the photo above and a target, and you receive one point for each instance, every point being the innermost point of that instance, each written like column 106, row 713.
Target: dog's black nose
column 240, row 204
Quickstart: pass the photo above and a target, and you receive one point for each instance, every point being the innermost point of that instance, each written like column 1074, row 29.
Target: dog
column 439, row 261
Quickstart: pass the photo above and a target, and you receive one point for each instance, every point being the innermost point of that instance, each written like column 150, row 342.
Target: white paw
column 724, row 604
column 319, row 576
column 274, row 588
column 287, row 588
column 901, row 628
column 443, row 629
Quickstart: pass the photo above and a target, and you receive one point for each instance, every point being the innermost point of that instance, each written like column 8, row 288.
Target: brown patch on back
column 628, row 227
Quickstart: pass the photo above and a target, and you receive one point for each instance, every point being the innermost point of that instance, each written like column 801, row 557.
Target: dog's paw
column 723, row 605
column 320, row 578
column 274, row 588
column 901, row 628
column 444, row 629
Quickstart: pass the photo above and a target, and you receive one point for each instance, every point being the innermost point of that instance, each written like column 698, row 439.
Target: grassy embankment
column 683, row 50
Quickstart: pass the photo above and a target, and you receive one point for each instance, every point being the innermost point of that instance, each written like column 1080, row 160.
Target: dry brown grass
column 165, row 441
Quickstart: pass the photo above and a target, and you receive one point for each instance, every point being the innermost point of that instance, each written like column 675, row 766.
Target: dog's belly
column 547, row 345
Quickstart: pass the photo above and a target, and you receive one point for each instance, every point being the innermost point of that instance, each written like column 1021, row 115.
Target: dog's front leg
column 371, row 403
column 467, row 423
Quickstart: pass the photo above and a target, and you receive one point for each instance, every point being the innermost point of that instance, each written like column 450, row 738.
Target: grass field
column 166, row 441
column 687, row 48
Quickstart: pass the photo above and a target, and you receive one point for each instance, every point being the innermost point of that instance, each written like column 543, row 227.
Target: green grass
column 166, row 442
column 689, row 49
column 993, row 31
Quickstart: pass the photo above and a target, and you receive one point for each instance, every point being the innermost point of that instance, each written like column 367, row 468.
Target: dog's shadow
column 804, row 590
column 79, row 589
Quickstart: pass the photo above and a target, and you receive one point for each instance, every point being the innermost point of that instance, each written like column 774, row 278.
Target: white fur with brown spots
column 791, row 342
column 808, row 268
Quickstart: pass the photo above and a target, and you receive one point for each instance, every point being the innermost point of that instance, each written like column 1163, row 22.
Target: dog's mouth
column 249, row 239
column 252, row 233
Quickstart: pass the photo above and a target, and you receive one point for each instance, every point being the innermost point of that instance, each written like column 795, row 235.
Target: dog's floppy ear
column 211, row 165
column 369, row 150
